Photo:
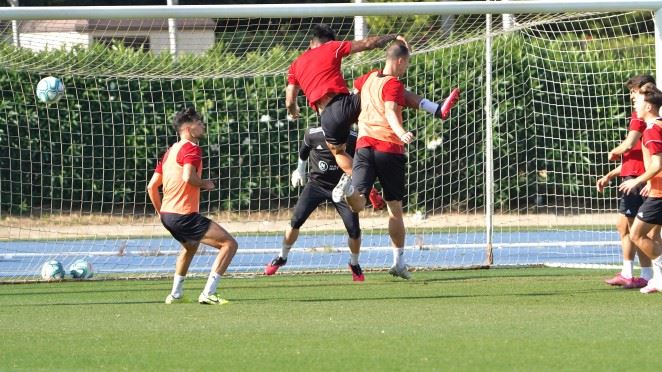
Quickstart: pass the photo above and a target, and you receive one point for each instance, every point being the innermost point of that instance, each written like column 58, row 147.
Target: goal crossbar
column 326, row 10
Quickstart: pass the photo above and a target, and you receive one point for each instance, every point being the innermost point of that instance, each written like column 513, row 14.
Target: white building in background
column 193, row 35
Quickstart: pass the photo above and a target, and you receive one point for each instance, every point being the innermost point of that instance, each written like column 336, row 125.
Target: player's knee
column 395, row 208
column 623, row 227
column 189, row 247
column 622, row 232
column 636, row 237
column 357, row 205
column 232, row 245
column 296, row 223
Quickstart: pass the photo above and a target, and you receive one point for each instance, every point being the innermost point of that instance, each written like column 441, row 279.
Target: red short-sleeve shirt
column 317, row 71
column 633, row 161
column 652, row 141
column 188, row 154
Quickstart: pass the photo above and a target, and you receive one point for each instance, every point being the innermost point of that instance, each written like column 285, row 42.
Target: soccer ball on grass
column 52, row 270
column 81, row 269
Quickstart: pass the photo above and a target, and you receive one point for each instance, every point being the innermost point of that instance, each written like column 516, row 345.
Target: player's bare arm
column 153, row 191
column 606, row 179
column 291, row 93
column 190, row 176
column 625, row 146
column 654, row 168
column 373, row 42
column 393, row 113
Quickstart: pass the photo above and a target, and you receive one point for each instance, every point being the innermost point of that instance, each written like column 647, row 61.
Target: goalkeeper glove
column 299, row 174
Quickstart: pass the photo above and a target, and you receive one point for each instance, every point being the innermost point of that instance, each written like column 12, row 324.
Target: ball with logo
column 81, row 269
column 50, row 89
column 52, row 270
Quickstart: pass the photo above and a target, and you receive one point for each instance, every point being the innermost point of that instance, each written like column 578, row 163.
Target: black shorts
column 338, row 116
column 389, row 168
column 651, row 211
column 630, row 203
column 186, row 228
column 311, row 197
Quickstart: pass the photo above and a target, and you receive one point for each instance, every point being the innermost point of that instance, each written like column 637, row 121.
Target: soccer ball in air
column 52, row 270
column 81, row 269
column 50, row 89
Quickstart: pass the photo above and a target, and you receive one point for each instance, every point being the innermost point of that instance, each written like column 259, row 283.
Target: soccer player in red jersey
column 632, row 166
column 180, row 174
column 647, row 106
column 317, row 72
column 380, row 147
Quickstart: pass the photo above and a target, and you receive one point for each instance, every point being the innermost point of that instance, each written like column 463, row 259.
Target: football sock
column 354, row 259
column 398, row 260
column 657, row 268
column 285, row 250
column 626, row 272
column 177, row 286
column 646, row 273
column 212, row 283
column 428, row 106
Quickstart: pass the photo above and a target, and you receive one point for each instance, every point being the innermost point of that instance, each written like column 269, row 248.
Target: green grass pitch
column 499, row 319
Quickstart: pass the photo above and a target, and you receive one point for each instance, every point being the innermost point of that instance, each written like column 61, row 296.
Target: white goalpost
column 509, row 179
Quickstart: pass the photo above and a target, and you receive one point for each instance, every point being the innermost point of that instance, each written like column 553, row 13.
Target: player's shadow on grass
column 347, row 282
column 488, row 277
column 439, row 296
column 61, row 292
column 541, row 294
column 86, row 303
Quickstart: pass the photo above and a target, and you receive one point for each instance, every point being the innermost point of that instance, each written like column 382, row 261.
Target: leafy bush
column 556, row 109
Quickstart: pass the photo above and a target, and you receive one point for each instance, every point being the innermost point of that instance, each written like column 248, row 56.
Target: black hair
column 185, row 115
column 323, row 33
column 397, row 50
column 636, row 82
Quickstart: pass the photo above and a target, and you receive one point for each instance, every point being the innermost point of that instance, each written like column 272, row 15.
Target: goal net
column 73, row 174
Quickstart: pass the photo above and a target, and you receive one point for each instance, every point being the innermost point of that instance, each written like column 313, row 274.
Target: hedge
column 558, row 107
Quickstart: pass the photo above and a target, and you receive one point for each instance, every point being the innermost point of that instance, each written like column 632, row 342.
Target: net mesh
column 74, row 173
